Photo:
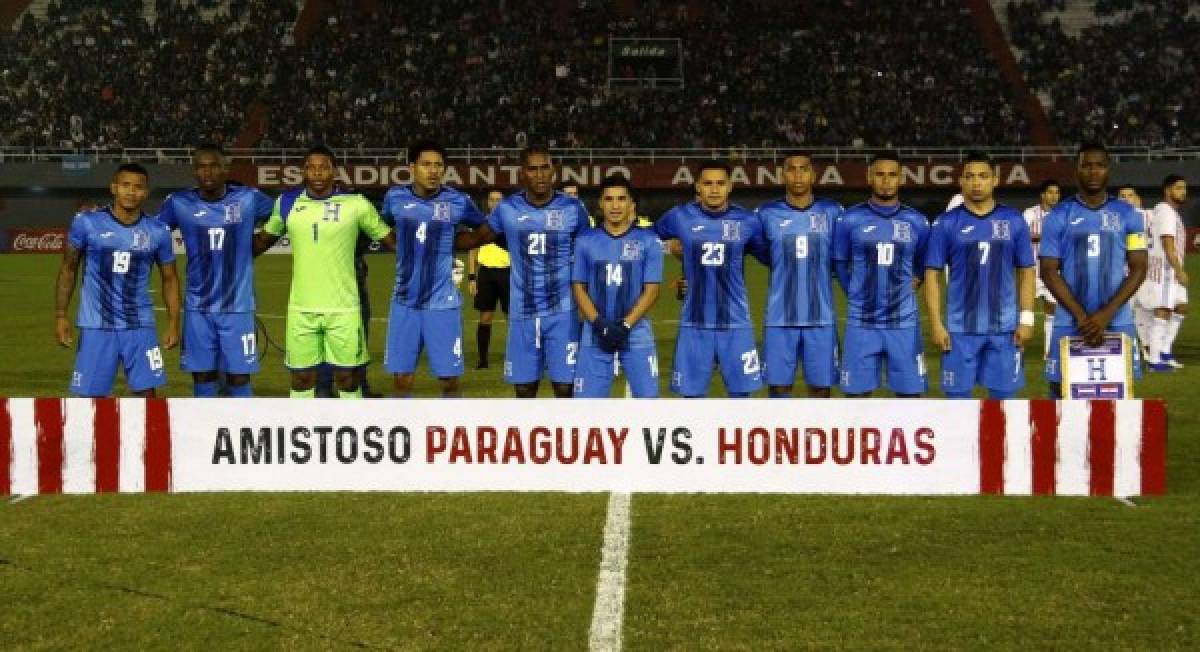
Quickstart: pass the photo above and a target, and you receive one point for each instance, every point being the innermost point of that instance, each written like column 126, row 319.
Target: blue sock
column 204, row 390
column 958, row 395
column 1000, row 394
column 241, row 391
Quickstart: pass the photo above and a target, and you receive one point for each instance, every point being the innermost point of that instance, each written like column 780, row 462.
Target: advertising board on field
column 37, row 241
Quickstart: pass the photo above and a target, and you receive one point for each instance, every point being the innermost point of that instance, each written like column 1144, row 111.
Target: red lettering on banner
column 485, row 437
column 1102, row 447
column 106, row 423
column 787, row 445
column 561, row 440
column 761, row 439
column 617, row 439
column 846, row 449
column 49, row 421
column 811, row 457
column 871, row 443
column 897, row 447
column 539, row 450
column 459, row 448
column 513, row 451
column 924, row 444
column 725, row 446
column 595, row 447
column 435, row 442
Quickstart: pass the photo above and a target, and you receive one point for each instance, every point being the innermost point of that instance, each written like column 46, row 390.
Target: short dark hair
column 885, row 155
column 978, row 156
column 1171, row 179
column 531, row 150
column 135, row 168
column 618, row 181
column 210, row 147
column 321, row 150
column 1046, row 185
column 714, row 164
column 416, row 149
column 1092, row 146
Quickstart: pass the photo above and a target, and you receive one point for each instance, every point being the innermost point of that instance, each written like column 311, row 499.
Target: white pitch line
column 19, row 499
column 608, row 615
column 1125, row 501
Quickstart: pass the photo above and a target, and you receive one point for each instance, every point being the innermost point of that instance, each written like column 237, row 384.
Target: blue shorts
column 866, row 349
column 542, row 344
column 1054, row 368
column 101, row 349
column 993, row 361
column 595, row 371
column 219, row 341
column 816, row 346
column 438, row 332
column 698, row 350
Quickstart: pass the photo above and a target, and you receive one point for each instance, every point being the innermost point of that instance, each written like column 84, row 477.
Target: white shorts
column 1153, row 296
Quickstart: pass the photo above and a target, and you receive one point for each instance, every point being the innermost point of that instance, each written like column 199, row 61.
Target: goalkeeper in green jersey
column 324, row 324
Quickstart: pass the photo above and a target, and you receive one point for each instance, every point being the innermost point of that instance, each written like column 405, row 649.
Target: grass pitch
column 509, row 571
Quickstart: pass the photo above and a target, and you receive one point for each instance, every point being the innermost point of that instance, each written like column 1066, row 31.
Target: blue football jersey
column 117, row 260
column 714, row 248
column 425, row 230
column 615, row 269
column 219, row 239
column 800, row 291
column 983, row 252
column 541, row 241
column 885, row 248
column 1090, row 245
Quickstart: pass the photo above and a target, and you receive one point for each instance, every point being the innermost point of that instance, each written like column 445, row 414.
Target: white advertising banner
column 926, row 447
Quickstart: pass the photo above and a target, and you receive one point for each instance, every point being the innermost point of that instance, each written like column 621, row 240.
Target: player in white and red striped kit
column 1050, row 193
column 1168, row 296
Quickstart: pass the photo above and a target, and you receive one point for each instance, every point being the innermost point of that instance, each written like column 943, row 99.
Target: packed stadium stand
column 372, row 74
column 1122, row 71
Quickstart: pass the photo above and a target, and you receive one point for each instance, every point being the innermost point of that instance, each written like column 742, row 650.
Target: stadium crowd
column 96, row 74
column 1127, row 80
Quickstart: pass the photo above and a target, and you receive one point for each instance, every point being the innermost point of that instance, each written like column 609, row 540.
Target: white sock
column 1048, row 330
column 1158, row 336
column 1172, row 331
column 1142, row 319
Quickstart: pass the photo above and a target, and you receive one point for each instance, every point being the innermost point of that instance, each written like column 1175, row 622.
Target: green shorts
column 336, row 338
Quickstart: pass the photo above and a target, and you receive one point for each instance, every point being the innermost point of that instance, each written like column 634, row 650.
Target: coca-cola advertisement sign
column 37, row 241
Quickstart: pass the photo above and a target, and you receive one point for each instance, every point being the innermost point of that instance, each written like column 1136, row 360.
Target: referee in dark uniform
column 487, row 280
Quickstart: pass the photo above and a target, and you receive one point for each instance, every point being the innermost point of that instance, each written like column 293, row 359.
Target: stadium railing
column 585, row 155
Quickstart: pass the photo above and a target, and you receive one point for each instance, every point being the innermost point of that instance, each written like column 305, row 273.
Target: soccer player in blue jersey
column 615, row 279
column 878, row 252
column 217, row 220
column 118, row 245
column 990, row 253
column 714, row 329
column 1088, row 243
column 426, row 306
column 800, row 317
column 540, row 225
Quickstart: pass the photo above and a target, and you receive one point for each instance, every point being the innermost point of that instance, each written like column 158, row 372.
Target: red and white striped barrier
column 1099, row 448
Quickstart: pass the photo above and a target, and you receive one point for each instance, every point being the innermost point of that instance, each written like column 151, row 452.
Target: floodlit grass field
column 504, row 571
